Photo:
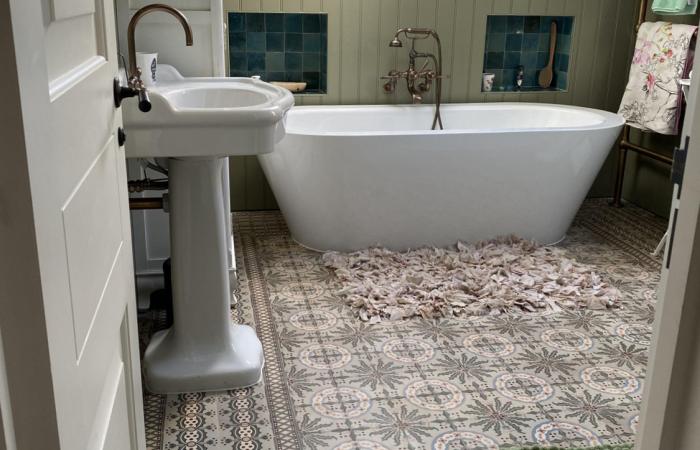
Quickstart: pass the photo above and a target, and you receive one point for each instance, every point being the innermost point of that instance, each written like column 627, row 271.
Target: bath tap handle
column 394, row 75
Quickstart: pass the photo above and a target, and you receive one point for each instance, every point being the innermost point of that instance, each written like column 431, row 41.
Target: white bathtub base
column 351, row 177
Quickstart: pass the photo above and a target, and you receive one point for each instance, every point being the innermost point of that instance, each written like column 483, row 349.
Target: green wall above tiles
column 280, row 47
column 515, row 40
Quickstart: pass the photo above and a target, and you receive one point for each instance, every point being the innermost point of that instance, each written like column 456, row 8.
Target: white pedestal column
column 226, row 187
column 203, row 350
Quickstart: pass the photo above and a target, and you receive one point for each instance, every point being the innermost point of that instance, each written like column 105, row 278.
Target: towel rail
column 625, row 144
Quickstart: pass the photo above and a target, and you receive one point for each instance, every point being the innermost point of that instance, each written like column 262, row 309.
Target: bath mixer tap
column 135, row 84
column 419, row 81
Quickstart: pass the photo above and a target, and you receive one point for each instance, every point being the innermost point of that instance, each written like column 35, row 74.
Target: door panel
column 63, row 9
column 92, row 231
column 76, row 32
column 80, row 206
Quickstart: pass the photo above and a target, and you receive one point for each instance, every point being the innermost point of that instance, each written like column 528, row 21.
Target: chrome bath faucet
column 419, row 81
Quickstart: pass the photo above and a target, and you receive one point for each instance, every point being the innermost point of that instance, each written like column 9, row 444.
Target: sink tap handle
column 144, row 101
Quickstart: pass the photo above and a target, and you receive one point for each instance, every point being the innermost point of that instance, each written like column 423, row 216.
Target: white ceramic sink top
column 206, row 117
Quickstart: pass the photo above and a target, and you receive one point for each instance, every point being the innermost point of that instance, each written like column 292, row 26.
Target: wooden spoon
column 547, row 74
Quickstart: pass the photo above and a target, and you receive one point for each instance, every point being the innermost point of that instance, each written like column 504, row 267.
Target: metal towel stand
column 625, row 144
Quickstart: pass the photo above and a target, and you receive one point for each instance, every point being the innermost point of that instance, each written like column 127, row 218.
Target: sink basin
column 195, row 117
column 203, row 97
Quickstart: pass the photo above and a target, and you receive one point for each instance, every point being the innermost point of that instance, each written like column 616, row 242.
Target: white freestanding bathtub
column 348, row 177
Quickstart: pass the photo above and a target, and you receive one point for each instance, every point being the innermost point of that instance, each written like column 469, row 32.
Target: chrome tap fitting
column 419, row 81
column 134, row 75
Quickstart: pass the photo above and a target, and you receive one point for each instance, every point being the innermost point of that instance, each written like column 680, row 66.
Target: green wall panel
column 358, row 53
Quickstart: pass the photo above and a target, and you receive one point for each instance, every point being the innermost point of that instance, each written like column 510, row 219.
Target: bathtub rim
column 610, row 120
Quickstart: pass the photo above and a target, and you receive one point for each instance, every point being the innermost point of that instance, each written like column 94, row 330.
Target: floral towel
column 662, row 55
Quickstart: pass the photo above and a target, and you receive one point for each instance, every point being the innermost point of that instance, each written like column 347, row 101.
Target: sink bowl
column 203, row 97
column 195, row 117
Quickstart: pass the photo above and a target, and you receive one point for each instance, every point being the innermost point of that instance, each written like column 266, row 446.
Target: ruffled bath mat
column 602, row 447
column 503, row 275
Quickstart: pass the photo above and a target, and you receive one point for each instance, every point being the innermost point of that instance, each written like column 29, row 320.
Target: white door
column 66, row 58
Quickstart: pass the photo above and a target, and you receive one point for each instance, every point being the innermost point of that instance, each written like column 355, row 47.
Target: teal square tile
column 514, row 42
column 311, row 23
column 294, row 76
column 529, row 60
column 496, row 42
column 254, row 22
column 312, row 42
column 256, row 62
column 274, row 62
column 532, row 24
column 237, row 42
column 275, row 42
column 256, row 42
column 238, row 61
column 515, row 24
column 293, row 42
column 564, row 44
column 494, row 60
column 512, row 60
column 292, row 62
column 292, row 23
column 236, row 22
column 497, row 24
column 274, row 22
column 530, row 42
column 312, row 62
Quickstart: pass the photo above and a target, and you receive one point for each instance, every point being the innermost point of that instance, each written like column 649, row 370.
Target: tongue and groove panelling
column 359, row 32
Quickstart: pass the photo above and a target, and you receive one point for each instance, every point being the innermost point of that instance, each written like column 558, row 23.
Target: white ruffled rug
column 502, row 275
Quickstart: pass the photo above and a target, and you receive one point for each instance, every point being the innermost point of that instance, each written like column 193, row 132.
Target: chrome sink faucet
column 419, row 81
column 136, row 86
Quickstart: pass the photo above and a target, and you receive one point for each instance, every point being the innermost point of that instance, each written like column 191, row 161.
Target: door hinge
column 679, row 156
column 121, row 136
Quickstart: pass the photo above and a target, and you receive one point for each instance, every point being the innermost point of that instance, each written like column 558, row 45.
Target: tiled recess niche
column 280, row 47
column 513, row 41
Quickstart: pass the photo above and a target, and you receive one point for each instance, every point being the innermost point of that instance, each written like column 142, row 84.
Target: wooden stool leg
column 620, row 177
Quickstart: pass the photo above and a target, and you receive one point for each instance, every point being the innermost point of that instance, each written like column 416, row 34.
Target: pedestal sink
column 197, row 123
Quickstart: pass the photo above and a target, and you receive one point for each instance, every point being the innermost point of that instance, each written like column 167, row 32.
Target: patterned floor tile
column 570, row 378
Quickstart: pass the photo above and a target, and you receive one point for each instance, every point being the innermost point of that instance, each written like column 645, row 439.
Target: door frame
column 670, row 415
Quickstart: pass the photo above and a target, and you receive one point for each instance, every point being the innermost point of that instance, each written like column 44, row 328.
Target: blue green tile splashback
column 513, row 41
column 280, row 47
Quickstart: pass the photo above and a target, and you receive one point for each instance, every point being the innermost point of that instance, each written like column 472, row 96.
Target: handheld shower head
column 396, row 42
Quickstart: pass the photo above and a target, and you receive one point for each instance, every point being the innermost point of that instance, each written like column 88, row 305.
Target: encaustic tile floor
column 572, row 378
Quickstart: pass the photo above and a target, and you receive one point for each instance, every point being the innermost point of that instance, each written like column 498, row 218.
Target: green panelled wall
column 358, row 53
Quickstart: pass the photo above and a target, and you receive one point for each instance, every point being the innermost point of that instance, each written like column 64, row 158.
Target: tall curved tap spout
column 138, row 15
